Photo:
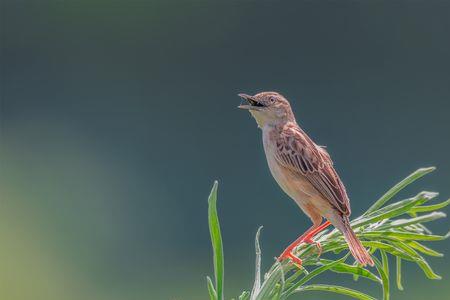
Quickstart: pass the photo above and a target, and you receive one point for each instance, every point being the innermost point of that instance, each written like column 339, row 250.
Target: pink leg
column 304, row 238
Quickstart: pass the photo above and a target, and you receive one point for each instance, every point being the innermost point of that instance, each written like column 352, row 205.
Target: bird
column 305, row 172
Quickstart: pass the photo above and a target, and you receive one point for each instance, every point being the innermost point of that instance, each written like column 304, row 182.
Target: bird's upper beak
column 253, row 104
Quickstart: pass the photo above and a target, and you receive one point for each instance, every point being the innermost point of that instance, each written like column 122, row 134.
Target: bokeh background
column 116, row 117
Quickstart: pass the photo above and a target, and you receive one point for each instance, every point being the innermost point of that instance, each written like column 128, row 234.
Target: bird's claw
column 317, row 244
column 295, row 259
column 306, row 238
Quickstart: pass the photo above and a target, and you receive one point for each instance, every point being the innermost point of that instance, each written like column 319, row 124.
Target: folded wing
column 297, row 152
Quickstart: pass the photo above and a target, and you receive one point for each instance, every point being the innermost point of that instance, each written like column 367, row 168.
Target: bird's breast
column 289, row 183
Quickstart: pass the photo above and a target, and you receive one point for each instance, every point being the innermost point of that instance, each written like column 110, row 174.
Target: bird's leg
column 287, row 253
column 304, row 238
column 310, row 235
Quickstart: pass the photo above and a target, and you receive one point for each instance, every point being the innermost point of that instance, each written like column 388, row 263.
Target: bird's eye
column 272, row 99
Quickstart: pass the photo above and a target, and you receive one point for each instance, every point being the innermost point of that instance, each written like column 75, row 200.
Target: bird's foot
column 306, row 238
column 289, row 255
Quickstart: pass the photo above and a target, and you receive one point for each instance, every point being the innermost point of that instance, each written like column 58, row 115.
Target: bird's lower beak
column 252, row 102
column 245, row 106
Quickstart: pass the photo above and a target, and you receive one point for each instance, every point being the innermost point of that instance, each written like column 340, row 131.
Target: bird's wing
column 297, row 152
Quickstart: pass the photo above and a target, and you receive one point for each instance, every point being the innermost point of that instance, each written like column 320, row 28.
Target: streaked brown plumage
column 304, row 171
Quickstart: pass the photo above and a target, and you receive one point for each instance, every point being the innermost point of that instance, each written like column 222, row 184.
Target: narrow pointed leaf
column 421, row 219
column 276, row 292
column 244, row 296
column 257, row 282
column 426, row 268
column 423, row 249
column 313, row 274
column 211, row 290
column 385, row 262
column 384, row 277
column 294, row 276
column 279, row 287
column 418, row 259
column 393, row 210
column 336, row 289
column 352, row 269
column 216, row 240
column 398, row 187
column 396, row 251
column 282, row 281
column 404, row 235
column 269, row 284
column 355, row 276
column 399, row 273
column 430, row 207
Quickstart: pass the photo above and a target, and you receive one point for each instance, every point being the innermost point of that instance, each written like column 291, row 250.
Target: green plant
column 395, row 230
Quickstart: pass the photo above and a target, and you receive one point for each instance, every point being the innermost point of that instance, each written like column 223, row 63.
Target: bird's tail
column 354, row 244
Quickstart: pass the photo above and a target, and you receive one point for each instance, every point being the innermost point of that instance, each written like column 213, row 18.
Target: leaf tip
column 435, row 277
column 447, row 235
column 213, row 193
column 428, row 195
column 427, row 169
column 215, row 184
column 211, row 290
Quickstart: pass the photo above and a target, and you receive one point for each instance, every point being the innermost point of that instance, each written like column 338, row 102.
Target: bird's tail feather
column 354, row 244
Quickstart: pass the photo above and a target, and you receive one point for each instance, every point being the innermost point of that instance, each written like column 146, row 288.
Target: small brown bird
column 304, row 171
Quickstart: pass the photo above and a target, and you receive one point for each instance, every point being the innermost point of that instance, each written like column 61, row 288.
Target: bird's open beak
column 253, row 104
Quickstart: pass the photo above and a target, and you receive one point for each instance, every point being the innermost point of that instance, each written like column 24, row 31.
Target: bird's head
column 268, row 108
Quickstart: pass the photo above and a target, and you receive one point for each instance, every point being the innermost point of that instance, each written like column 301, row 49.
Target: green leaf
column 355, row 276
column 406, row 252
column 244, row 296
column 400, row 245
column 430, row 207
column 216, row 240
column 421, row 219
column 269, row 284
column 355, row 270
column 211, row 290
column 385, row 262
column 403, row 235
column 313, row 274
column 335, row 289
column 386, row 247
column 423, row 249
column 278, row 293
column 257, row 282
column 398, row 187
column 384, row 277
column 294, row 276
column 399, row 273
column 423, row 264
column 418, row 259
column 279, row 287
column 393, row 210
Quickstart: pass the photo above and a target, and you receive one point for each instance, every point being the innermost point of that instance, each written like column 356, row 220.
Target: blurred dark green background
column 116, row 117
